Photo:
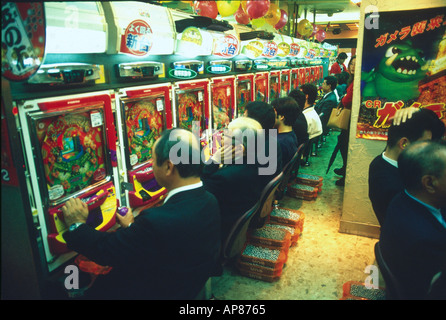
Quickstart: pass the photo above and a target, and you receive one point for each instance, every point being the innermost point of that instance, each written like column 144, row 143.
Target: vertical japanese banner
column 403, row 65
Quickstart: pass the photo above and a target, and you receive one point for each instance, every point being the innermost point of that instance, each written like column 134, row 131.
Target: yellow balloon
column 227, row 8
column 273, row 15
column 304, row 27
column 257, row 23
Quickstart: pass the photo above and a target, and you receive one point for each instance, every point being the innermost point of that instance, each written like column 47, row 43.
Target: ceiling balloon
column 304, row 27
column 241, row 16
column 321, row 35
column 257, row 23
column 272, row 17
column 206, row 9
column 283, row 20
column 257, row 8
column 227, row 8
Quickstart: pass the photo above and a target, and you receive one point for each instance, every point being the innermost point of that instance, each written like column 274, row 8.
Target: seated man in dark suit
column 329, row 101
column 413, row 238
column 234, row 175
column 166, row 252
column 384, row 179
column 265, row 115
column 287, row 111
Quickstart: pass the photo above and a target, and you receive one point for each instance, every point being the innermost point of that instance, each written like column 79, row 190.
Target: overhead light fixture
column 357, row 2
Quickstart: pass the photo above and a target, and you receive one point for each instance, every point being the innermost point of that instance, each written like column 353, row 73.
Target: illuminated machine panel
column 144, row 113
column 261, row 86
column 285, row 81
column 69, row 23
column 274, row 85
column 71, row 151
column 223, row 101
column 244, row 92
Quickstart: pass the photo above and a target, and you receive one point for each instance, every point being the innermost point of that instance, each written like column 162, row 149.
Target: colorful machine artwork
column 190, row 110
column 144, row 125
column 72, row 152
column 221, row 106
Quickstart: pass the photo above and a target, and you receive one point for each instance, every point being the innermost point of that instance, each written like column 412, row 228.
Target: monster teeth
column 404, row 71
column 399, row 70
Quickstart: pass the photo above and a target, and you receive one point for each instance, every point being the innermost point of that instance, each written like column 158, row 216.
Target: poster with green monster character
column 403, row 65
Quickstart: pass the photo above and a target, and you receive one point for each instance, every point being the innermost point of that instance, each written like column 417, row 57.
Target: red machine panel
column 261, row 86
column 295, row 84
column 302, row 76
column 285, row 80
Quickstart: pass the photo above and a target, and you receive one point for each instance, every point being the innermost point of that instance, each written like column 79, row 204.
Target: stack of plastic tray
column 302, row 191
column 261, row 263
column 294, row 231
column 288, row 217
column 354, row 290
column 310, row 180
column 273, row 238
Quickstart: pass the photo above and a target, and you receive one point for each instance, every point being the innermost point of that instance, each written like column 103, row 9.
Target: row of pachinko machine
column 112, row 77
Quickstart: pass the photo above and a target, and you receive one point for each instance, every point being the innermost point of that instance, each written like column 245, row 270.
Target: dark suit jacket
column 384, row 184
column 237, row 188
column 324, row 107
column 167, row 253
column 300, row 129
column 413, row 243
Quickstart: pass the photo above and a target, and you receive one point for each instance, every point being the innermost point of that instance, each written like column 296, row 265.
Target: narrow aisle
column 323, row 259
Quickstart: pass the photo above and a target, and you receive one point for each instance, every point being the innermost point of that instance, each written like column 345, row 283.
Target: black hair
column 311, row 90
column 262, row 112
column 342, row 77
column 413, row 128
column 331, row 81
column 288, row 108
column 419, row 159
column 190, row 164
column 299, row 96
column 342, row 55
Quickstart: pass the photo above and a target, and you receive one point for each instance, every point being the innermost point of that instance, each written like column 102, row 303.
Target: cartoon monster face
column 402, row 62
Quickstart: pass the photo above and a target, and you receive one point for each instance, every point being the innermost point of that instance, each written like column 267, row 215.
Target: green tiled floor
column 323, row 259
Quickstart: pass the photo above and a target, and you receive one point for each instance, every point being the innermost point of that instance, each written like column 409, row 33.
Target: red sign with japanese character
column 23, row 39
column 137, row 38
column 403, row 65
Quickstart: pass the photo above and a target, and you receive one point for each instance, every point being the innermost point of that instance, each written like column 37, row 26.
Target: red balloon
column 206, row 9
column 321, row 35
column 283, row 19
column 314, row 30
column 257, row 8
column 241, row 16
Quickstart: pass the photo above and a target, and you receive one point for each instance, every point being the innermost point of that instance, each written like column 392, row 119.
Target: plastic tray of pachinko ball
column 302, row 191
column 289, row 217
column 258, row 276
column 355, row 290
column 310, row 180
column 271, row 237
column 294, row 231
column 263, row 256
column 259, row 269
